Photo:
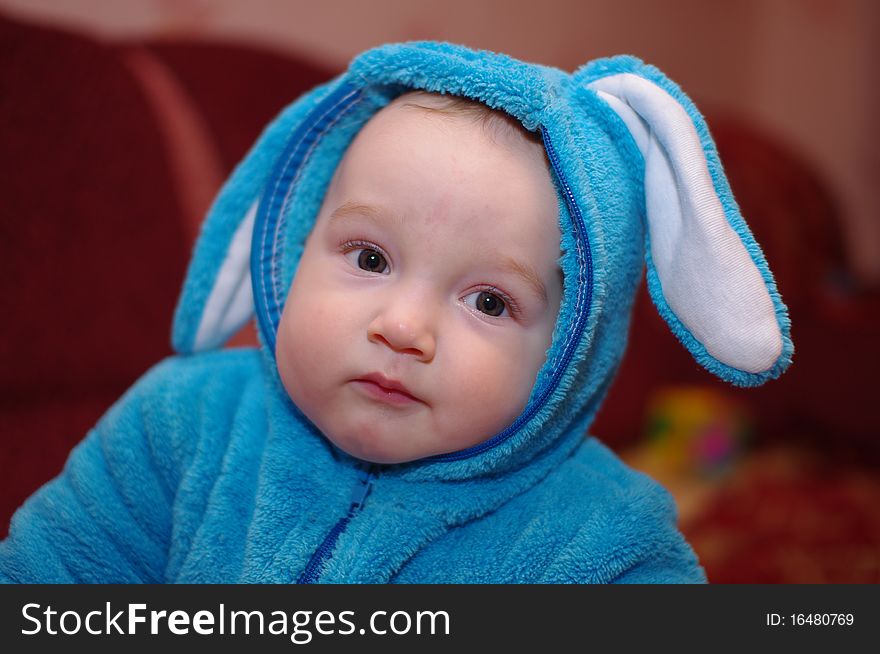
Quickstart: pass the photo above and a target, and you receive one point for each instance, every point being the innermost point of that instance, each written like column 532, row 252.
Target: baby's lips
column 387, row 384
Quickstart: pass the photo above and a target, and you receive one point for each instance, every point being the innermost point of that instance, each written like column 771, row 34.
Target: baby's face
column 427, row 292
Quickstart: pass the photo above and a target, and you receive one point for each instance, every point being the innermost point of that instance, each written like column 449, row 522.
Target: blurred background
column 120, row 120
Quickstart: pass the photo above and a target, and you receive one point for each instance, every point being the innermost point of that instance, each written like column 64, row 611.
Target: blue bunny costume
column 205, row 471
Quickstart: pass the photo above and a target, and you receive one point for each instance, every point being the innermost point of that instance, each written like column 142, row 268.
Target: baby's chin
column 377, row 450
column 377, row 441
column 387, row 437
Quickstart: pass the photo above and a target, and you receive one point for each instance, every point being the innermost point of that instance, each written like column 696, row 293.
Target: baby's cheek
column 301, row 351
column 492, row 393
column 313, row 322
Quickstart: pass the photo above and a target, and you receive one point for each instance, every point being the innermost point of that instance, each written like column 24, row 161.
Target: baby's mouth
column 378, row 387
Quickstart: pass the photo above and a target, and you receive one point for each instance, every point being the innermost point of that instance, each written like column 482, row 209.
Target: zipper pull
column 362, row 488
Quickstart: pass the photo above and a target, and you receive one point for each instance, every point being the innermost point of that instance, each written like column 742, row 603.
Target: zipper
column 312, row 572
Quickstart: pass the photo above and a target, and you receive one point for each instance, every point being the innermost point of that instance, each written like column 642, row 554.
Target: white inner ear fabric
column 231, row 302
column 708, row 278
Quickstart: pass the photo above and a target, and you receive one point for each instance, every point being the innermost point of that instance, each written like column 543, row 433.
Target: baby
column 441, row 248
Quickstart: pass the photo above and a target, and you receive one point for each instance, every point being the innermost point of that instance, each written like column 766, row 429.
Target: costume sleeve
column 107, row 517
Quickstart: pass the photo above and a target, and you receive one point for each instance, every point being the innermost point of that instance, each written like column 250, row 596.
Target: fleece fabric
column 205, row 471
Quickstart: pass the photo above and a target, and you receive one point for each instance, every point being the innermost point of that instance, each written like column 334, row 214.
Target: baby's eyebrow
column 350, row 208
column 528, row 274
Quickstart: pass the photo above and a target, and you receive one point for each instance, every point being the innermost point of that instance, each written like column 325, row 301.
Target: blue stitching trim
column 277, row 281
column 272, row 208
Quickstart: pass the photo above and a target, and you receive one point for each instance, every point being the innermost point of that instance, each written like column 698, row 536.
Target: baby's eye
column 487, row 303
column 369, row 259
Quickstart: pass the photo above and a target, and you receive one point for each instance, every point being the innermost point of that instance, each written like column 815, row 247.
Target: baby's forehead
column 417, row 124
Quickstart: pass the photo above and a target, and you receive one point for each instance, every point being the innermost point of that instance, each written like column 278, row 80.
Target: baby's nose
column 404, row 333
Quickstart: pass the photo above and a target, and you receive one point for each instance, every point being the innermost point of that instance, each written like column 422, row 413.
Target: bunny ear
column 217, row 299
column 230, row 303
column 706, row 273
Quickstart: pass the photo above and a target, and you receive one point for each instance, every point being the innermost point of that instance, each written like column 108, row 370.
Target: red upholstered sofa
column 111, row 153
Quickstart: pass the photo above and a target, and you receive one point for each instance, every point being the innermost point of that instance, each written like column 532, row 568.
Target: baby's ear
column 706, row 274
